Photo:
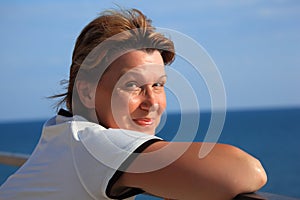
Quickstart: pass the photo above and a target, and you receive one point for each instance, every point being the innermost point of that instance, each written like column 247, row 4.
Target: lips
column 144, row 121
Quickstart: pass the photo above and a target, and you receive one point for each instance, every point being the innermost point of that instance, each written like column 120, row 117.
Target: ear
column 86, row 92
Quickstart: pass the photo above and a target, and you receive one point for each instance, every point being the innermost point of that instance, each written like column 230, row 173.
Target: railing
column 19, row 159
column 263, row 196
column 13, row 159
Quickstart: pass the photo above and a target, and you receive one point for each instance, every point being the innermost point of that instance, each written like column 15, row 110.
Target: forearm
column 225, row 172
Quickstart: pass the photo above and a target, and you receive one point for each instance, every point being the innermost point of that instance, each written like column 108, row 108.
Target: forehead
column 137, row 63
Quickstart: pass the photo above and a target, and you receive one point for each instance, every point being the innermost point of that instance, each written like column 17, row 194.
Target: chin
column 147, row 130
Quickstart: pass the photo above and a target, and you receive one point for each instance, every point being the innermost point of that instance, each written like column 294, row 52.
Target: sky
column 254, row 44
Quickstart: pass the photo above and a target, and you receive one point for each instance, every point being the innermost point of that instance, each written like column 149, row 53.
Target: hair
column 133, row 30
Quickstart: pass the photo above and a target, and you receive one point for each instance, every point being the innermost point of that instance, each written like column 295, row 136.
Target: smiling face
column 131, row 95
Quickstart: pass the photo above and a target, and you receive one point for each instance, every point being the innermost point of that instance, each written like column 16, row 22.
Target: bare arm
column 225, row 172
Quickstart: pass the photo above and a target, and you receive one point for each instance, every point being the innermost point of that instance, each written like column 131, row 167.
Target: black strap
column 65, row 113
column 127, row 192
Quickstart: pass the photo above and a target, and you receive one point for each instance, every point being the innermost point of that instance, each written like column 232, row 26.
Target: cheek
column 121, row 102
column 133, row 104
column 162, row 101
column 102, row 104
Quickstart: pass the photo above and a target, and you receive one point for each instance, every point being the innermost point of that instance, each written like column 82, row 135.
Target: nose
column 149, row 101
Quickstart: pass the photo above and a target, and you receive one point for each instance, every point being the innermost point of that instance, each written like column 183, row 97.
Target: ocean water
column 273, row 136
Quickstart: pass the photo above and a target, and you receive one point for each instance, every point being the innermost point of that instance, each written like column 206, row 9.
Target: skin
column 131, row 95
column 224, row 173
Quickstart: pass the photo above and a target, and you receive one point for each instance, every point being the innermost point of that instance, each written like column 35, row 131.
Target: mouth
column 144, row 121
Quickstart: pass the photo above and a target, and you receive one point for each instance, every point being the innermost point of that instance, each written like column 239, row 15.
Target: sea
column 271, row 135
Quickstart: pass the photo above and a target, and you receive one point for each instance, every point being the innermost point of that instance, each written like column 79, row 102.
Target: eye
column 158, row 87
column 158, row 84
column 132, row 85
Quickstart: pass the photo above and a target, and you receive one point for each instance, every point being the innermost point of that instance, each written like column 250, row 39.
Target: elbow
column 259, row 176
column 252, row 175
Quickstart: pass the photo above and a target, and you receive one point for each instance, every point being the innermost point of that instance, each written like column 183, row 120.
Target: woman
column 104, row 146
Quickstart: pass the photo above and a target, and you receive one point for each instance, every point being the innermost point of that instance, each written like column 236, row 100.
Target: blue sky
column 255, row 45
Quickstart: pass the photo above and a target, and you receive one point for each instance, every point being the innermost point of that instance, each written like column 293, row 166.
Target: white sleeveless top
column 76, row 159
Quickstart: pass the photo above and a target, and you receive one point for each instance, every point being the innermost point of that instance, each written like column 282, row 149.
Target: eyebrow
column 133, row 73
column 163, row 76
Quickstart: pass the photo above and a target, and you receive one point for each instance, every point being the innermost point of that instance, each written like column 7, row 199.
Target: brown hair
column 138, row 32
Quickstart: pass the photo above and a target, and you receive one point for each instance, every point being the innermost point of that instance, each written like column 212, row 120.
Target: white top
column 76, row 159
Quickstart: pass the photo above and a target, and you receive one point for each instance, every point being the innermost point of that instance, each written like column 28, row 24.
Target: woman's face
column 131, row 95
